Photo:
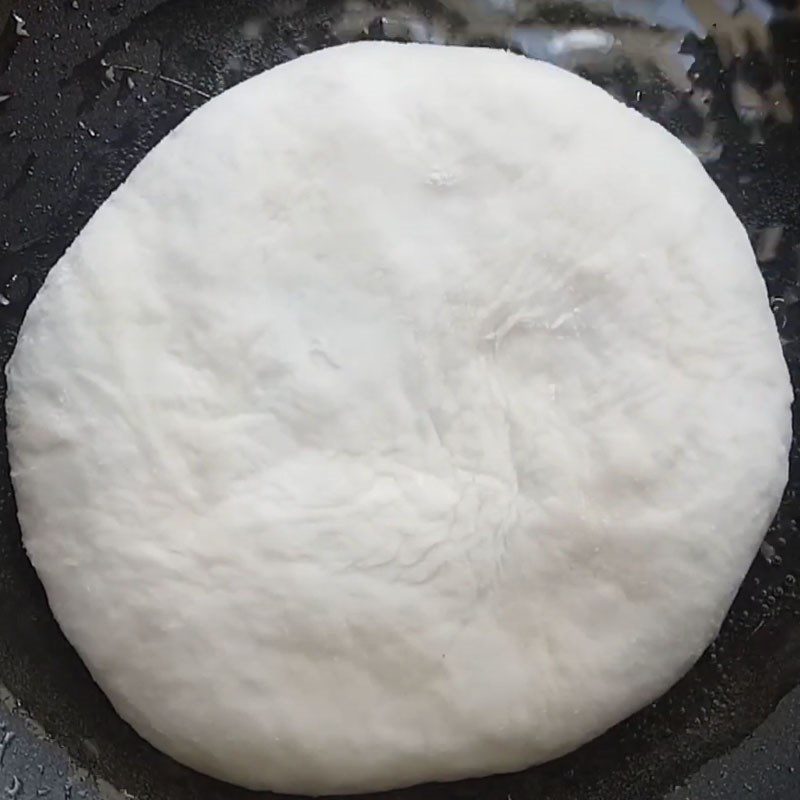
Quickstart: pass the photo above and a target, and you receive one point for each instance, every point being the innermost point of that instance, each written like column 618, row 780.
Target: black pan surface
column 94, row 85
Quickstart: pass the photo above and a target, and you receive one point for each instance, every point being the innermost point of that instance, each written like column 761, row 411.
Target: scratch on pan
column 13, row 789
column 174, row 81
column 8, row 737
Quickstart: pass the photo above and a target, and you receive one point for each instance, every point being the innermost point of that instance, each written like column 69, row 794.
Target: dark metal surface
column 95, row 85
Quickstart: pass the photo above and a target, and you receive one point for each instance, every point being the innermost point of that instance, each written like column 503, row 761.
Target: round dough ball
column 410, row 413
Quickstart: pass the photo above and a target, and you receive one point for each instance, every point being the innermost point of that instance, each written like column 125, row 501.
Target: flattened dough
column 410, row 413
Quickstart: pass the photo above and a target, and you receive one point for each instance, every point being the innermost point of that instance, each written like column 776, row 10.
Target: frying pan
column 95, row 85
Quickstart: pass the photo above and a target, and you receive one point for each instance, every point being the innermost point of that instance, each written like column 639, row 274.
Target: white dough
column 410, row 413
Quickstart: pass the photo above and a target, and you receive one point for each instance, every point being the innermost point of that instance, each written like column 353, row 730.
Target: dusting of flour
column 397, row 422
